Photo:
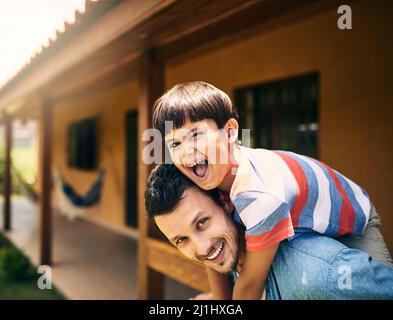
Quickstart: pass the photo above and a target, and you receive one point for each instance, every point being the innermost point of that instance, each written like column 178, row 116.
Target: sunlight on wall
column 26, row 25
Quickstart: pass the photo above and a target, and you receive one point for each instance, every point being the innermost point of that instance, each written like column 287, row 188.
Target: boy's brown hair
column 195, row 101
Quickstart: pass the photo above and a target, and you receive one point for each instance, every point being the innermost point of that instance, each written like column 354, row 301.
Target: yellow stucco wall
column 356, row 93
column 110, row 107
column 356, row 87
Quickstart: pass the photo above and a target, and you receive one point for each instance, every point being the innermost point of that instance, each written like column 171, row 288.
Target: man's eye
column 180, row 240
column 202, row 222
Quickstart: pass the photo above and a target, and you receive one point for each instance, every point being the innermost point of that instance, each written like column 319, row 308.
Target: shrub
column 15, row 264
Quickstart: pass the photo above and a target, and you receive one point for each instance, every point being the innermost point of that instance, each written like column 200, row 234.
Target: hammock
column 71, row 204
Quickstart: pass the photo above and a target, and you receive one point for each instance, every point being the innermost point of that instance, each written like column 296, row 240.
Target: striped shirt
column 277, row 192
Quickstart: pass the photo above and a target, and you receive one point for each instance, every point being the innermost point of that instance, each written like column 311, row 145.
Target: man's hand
column 204, row 296
column 219, row 284
column 227, row 205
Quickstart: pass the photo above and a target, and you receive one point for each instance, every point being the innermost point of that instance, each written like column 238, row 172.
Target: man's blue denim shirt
column 313, row 266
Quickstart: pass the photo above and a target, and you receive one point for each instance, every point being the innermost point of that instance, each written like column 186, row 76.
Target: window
column 82, row 144
column 282, row 114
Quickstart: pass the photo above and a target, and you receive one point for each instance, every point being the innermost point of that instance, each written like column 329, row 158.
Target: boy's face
column 201, row 151
column 202, row 231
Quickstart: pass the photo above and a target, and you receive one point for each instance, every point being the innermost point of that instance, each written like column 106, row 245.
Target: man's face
column 201, row 152
column 202, row 231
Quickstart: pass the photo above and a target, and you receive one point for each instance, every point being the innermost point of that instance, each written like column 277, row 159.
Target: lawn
column 22, row 289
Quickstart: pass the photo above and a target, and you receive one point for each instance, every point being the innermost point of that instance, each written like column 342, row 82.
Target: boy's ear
column 232, row 128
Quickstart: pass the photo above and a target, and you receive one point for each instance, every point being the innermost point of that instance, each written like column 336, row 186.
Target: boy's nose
column 188, row 156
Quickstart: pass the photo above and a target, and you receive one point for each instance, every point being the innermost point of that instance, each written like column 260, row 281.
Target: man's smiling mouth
column 216, row 255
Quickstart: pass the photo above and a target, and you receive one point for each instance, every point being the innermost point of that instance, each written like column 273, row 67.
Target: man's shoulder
column 314, row 244
column 303, row 265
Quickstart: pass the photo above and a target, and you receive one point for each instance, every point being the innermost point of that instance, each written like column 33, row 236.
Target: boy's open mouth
column 199, row 168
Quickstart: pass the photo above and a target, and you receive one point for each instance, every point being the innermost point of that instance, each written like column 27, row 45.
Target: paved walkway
column 90, row 261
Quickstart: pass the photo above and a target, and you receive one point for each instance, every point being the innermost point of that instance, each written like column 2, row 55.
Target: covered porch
column 92, row 262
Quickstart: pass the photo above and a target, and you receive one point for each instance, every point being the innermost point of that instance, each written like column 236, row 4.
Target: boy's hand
column 252, row 279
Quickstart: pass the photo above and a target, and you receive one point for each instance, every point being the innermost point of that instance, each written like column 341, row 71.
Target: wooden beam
column 151, row 85
column 167, row 260
column 231, row 25
column 45, row 177
column 7, row 173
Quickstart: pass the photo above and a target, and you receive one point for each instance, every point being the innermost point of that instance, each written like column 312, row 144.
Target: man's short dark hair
column 195, row 101
column 165, row 188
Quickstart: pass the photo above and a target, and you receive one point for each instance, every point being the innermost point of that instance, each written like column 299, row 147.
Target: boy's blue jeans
column 313, row 266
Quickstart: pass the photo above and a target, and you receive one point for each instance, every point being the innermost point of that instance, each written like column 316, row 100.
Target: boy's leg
column 371, row 240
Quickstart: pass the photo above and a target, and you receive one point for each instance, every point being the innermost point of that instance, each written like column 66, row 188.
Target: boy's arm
column 253, row 275
column 219, row 284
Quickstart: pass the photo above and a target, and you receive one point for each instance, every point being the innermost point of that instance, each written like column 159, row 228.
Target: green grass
column 11, row 289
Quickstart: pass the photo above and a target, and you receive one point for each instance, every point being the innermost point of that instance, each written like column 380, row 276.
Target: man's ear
column 232, row 129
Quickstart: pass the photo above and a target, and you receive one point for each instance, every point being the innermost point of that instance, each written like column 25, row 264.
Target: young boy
column 275, row 193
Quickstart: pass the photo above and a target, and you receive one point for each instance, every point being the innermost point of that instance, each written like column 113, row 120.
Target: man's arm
column 219, row 284
column 253, row 275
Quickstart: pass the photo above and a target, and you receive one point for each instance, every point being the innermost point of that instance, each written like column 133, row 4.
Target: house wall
column 111, row 107
column 355, row 111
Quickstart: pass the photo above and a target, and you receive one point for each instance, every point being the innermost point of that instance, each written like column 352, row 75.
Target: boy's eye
column 174, row 144
column 196, row 134
column 201, row 223
column 180, row 240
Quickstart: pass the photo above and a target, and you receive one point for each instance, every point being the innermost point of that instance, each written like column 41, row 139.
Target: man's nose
column 203, row 248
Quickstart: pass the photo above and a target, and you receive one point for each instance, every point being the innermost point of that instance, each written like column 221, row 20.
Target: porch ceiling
column 171, row 28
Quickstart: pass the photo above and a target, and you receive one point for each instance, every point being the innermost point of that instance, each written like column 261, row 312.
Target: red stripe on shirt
column 347, row 213
column 281, row 231
column 302, row 191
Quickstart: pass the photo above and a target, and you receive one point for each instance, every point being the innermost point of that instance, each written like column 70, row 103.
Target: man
column 310, row 266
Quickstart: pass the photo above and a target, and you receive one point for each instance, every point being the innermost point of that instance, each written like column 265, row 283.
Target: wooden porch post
column 45, row 183
column 151, row 85
column 7, row 173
